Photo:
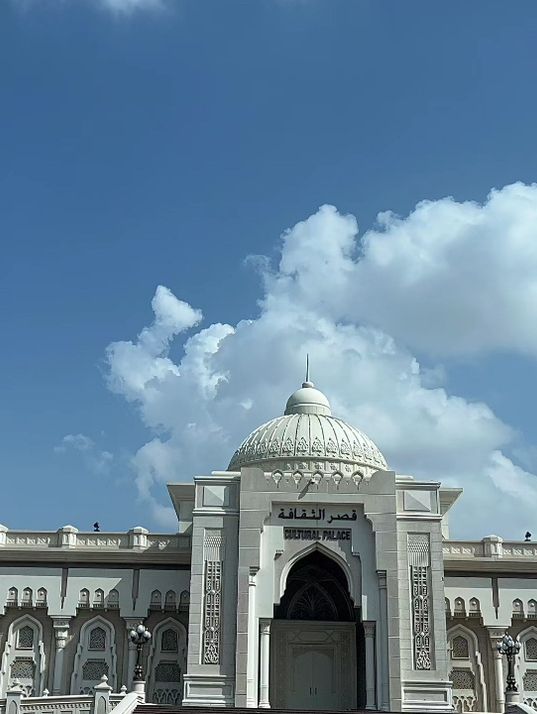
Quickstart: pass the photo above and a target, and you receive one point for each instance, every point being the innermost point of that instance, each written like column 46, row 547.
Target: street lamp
column 510, row 647
column 139, row 636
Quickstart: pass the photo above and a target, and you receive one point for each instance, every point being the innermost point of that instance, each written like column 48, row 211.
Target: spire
column 306, row 382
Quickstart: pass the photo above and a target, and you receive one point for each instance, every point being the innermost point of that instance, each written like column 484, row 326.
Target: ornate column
column 495, row 635
column 131, row 623
column 369, row 631
column 264, row 669
column 61, row 634
column 251, row 683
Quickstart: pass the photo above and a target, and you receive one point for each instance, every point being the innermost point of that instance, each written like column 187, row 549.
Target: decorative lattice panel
column 462, row 679
column 460, row 648
column 213, row 552
column 167, row 672
column 97, row 639
column 25, row 638
column 419, row 560
column 169, row 641
column 23, row 669
column 530, row 680
column 531, row 648
column 94, row 669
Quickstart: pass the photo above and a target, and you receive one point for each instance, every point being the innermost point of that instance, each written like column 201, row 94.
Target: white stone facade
column 308, row 575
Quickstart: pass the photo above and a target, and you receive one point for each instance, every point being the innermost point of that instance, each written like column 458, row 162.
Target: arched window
column 169, row 641
column 460, row 648
column 526, row 669
column 41, row 600
column 25, row 638
column 447, row 605
column 170, row 601
column 532, row 609
column 530, row 649
column 113, row 600
column 184, row 600
column 23, row 657
column 460, row 608
column 83, row 598
column 166, row 663
column 474, row 608
column 518, row 608
column 98, row 598
column 469, row 691
column 156, row 600
column 26, row 597
column 97, row 639
column 95, row 656
column 13, row 597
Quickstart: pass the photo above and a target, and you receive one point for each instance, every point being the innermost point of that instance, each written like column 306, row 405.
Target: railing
column 102, row 702
column 490, row 547
column 137, row 539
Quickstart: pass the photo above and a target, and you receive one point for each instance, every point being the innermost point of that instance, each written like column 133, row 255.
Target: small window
column 98, row 599
column 460, row 608
column 113, row 599
column 184, row 600
column 83, row 598
column 12, row 596
column 25, row 638
column 530, row 647
column 170, row 600
column 459, row 648
column 532, row 608
column 97, row 639
column 169, row 641
column 27, row 597
column 474, row 606
column 447, row 605
column 41, row 597
column 156, row 600
column 518, row 608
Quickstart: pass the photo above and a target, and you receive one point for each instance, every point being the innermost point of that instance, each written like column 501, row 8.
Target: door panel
column 314, row 666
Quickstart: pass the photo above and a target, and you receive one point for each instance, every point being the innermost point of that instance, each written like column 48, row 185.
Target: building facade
column 308, row 575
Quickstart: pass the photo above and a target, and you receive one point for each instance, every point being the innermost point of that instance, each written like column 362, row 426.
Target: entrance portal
column 314, row 636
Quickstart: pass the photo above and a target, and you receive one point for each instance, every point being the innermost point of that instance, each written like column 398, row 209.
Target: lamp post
column 510, row 647
column 139, row 636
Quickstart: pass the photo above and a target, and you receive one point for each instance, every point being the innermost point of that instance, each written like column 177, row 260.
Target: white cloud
column 230, row 379
column 95, row 459
column 452, row 278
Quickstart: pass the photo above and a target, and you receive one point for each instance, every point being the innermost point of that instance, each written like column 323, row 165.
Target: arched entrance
column 316, row 638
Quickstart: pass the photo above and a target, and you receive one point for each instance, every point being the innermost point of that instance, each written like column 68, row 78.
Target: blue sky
column 149, row 143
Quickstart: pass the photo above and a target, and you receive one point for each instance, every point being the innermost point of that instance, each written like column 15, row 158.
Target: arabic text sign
column 316, row 534
column 314, row 514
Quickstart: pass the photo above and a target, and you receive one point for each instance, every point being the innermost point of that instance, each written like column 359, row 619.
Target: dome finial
column 306, row 382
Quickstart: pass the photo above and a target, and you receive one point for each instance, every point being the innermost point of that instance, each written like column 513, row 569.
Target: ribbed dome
column 308, row 433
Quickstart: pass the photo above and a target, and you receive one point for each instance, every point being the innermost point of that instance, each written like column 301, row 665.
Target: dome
column 307, row 437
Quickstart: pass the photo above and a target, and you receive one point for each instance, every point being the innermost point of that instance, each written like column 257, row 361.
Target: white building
column 308, row 575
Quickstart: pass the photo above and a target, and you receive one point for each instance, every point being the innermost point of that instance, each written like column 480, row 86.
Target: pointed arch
column 325, row 550
column 92, row 660
column 24, row 656
column 466, row 670
column 526, row 665
column 166, row 662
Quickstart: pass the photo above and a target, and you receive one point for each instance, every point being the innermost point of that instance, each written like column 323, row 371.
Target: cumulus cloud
column 322, row 298
column 95, row 459
column 453, row 278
